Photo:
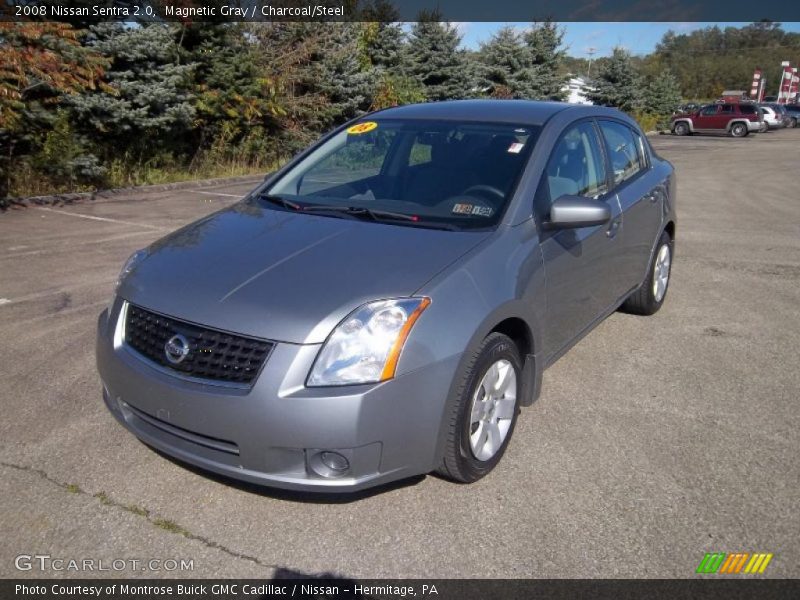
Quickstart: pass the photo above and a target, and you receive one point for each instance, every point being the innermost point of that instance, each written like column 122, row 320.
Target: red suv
column 736, row 119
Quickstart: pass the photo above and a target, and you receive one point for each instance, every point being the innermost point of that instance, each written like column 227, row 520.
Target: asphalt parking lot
column 655, row 440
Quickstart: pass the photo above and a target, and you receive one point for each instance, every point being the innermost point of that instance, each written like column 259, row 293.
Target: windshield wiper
column 359, row 211
column 279, row 201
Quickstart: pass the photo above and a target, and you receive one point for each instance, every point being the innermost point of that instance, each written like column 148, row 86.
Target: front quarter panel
column 502, row 279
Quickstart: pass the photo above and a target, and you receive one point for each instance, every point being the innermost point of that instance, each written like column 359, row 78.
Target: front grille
column 214, row 355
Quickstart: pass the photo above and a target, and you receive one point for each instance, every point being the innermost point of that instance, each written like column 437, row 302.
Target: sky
column 638, row 38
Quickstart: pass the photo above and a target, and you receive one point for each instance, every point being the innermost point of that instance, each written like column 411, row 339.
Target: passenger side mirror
column 571, row 212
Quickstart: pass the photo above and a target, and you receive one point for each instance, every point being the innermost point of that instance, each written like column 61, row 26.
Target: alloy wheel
column 661, row 273
column 492, row 410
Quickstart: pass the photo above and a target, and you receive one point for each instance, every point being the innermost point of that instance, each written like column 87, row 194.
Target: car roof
column 519, row 112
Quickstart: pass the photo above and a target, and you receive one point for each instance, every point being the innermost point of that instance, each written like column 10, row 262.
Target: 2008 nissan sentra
column 383, row 305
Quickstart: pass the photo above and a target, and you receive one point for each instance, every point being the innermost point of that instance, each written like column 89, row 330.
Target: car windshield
column 450, row 174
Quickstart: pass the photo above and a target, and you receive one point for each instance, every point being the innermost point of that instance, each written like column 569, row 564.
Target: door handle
column 613, row 228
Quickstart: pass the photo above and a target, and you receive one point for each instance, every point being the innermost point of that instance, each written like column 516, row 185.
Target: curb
column 108, row 194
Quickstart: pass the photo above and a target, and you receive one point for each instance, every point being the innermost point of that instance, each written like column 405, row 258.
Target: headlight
column 364, row 348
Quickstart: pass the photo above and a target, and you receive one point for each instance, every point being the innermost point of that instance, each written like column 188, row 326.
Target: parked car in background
column 735, row 119
column 792, row 113
column 784, row 111
column 772, row 117
column 383, row 305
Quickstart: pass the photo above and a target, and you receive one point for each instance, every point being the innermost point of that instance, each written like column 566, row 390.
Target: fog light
column 335, row 461
column 328, row 463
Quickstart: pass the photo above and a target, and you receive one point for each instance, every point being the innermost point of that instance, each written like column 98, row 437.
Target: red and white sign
column 757, row 88
column 784, row 91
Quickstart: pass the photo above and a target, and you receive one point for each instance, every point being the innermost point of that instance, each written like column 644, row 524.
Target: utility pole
column 590, row 51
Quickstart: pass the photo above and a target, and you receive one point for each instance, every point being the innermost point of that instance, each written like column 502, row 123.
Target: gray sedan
column 385, row 304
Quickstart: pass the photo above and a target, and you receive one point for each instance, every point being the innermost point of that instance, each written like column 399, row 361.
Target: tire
column 792, row 123
column 681, row 128
column 739, row 130
column 460, row 462
column 645, row 301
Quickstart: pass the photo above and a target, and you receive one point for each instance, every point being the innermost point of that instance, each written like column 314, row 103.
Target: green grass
column 171, row 526
column 74, row 488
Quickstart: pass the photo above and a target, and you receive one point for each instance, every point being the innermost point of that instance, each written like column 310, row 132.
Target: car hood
column 287, row 277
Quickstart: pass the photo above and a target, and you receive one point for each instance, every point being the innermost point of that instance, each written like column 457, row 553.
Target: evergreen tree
column 436, row 61
column 337, row 73
column 663, row 94
column 504, row 65
column 546, row 80
column 41, row 64
column 238, row 109
column 384, row 45
column 618, row 84
column 152, row 106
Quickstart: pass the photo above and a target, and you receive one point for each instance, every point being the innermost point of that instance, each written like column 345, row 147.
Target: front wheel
column 739, row 130
column 482, row 420
column 649, row 298
column 792, row 123
column 681, row 128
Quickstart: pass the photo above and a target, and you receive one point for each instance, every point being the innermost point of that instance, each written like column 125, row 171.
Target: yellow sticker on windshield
column 360, row 128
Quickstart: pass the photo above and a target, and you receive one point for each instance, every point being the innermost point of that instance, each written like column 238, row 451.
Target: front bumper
column 273, row 433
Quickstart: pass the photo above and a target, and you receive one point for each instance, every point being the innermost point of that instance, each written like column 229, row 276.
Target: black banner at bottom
column 387, row 589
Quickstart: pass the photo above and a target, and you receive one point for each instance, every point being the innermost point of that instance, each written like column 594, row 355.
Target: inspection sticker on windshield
column 360, row 128
column 471, row 209
column 516, row 148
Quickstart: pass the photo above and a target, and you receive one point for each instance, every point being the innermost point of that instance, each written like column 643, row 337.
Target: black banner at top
column 92, row 11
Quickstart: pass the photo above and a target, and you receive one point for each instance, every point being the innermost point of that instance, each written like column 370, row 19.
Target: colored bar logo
column 734, row 563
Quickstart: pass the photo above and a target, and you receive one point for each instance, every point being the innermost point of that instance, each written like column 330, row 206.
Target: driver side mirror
column 572, row 212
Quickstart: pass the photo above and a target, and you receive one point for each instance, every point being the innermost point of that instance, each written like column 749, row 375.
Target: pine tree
column 618, row 84
column 41, row 64
column 384, row 46
column 504, row 65
column 436, row 61
column 663, row 94
column 345, row 81
column 545, row 81
column 153, row 104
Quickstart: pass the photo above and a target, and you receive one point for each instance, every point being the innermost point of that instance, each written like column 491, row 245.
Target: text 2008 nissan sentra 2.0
column 384, row 305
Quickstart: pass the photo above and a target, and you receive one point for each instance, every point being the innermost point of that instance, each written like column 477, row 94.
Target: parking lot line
column 93, row 218
column 218, row 194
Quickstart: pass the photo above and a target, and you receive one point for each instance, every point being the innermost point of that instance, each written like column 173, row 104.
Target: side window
column 641, row 147
column 709, row 110
column 623, row 150
column 727, row 109
column 747, row 109
column 576, row 168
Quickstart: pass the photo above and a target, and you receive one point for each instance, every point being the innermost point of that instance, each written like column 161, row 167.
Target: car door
column 640, row 195
column 582, row 264
column 707, row 117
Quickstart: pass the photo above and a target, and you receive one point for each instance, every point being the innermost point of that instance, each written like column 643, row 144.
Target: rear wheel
column 738, row 130
column 483, row 418
column 792, row 122
column 681, row 128
column 649, row 298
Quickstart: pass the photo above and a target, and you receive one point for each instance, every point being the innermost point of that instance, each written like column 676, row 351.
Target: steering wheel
column 485, row 189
